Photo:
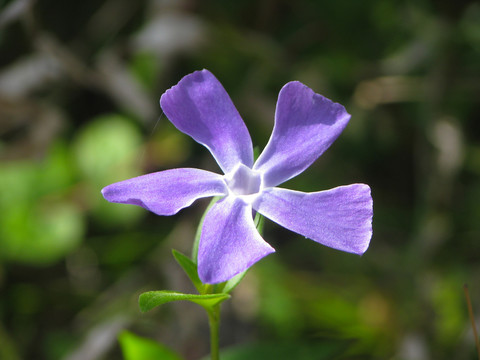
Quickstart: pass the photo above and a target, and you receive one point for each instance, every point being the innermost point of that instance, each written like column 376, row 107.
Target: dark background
column 79, row 89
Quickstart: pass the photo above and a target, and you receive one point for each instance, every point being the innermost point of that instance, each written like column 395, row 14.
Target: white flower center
column 244, row 182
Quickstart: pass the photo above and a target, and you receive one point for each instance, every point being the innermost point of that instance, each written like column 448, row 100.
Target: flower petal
column 166, row 192
column 306, row 124
column 340, row 218
column 229, row 243
column 200, row 107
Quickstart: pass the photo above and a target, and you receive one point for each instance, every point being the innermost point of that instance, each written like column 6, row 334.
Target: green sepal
column 233, row 282
column 190, row 269
column 256, row 153
column 259, row 222
column 151, row 299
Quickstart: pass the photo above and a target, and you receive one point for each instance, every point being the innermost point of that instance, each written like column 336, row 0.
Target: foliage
column 79, row 89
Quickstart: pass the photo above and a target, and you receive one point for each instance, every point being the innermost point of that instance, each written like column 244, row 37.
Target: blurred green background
column 79, row 88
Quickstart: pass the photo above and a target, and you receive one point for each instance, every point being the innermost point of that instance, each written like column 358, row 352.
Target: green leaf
column 137, row 348
column 151, row 299
column 190, row 269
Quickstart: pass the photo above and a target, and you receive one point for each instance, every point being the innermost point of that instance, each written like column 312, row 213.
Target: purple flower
column 306, row 124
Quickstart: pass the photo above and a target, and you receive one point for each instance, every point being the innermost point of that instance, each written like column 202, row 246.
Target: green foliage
column 449, row 307
column 113, row 136
column 39, row 222
column 40, row 235
column 144, row 66
column 278, row 306
column 117, row 140
column 407, row 72
column 7, row 347
column 137, row 348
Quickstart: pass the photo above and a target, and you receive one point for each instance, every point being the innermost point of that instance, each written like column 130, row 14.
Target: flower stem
column 214, row 322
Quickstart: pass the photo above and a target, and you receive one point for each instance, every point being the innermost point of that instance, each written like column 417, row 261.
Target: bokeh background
column 79, row 88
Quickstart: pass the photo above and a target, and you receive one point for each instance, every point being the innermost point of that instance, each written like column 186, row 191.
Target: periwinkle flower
column 306, row 124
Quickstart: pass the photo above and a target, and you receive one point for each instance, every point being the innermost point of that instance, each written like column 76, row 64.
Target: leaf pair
column 209, row 295
column 151, row 299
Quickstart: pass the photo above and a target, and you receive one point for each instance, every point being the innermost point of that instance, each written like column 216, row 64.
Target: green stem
column 214, row 322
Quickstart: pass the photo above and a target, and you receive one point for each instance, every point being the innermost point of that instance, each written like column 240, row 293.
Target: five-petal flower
column 306, row 124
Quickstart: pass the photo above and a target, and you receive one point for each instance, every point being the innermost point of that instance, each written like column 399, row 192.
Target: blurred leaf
column 107, row 151
column 57, row 171
column 108, row 148
column 449, row 306
column 278, row 306
column 28, row 180
column 41, row 233
column 18, row 179
column 8, row 349
column 151, row 299
column 144, row 67
column 39, row 222
column 58, row 344
column 190, row 269
column 137, row 348
column 124, row 248
column 470, row 25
